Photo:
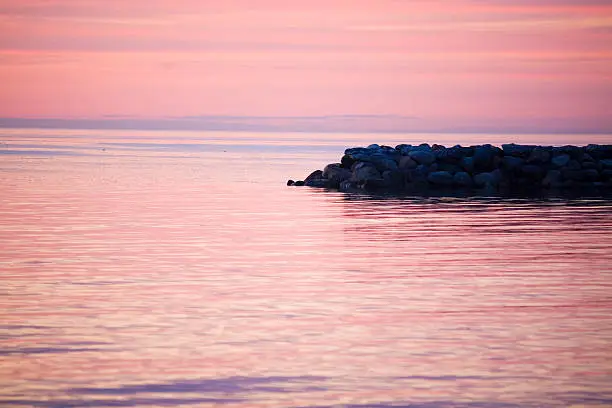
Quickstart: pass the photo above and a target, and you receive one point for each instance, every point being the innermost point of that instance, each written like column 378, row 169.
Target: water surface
column 177, row 269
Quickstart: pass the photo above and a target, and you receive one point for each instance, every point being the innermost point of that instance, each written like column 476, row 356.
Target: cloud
column 542, row 24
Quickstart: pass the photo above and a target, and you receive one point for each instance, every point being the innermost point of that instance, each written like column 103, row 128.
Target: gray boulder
column 606, row 163
column 517, row 150
column 404, row 149
column 539, row 155
column 374, row 184
column 348, row 186
column 383, row 162
column 552, row 178
column 512, row 163
column 580, row 175
column 336, row 174
column 317, row 174
column 606, row 174
column 591, row 165
column 422, row 156
column 485, row 179
column 462, row 179
column 406, row 162
column 532, row 171
column 363, row 171
column 468, row 164
column 572, row 165
column 441, row 178
column 423, row 147
column 347, row 161
column 483, row 157
column 452, row 154
column 394, row 179
column 450, row 167
column 320, row 183
column 590, row 175
column 560, row 160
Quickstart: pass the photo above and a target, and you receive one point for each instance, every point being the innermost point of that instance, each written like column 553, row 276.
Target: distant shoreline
column 258, row 124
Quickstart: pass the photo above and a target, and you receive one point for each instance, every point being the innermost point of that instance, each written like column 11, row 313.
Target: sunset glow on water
column 177, row 269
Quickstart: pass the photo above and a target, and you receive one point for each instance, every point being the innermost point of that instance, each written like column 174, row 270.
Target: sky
column 397, row 65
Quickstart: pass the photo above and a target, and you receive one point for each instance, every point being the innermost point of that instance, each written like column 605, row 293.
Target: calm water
column 177, row 269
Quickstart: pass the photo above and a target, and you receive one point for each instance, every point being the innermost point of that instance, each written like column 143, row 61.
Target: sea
column 177, row 269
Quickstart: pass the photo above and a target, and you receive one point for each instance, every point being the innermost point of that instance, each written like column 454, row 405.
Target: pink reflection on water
column 121, row 270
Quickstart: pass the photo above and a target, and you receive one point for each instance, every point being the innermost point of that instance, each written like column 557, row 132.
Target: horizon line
column 190, row 123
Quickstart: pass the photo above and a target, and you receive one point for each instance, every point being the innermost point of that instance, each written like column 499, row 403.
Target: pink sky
column 461, row 63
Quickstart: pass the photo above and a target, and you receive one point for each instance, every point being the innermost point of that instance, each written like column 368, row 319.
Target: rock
column 423, row 147
column 587, row 158
column 606, row 174
column 574, row 152
column 374, row 184
column 497, row 176
column 383, row 157
column 298, row 183
column 517, row 168
column 419, row 173
column 517, row 150
column 606, row 163
column 383, row 162
column 591, row 165
column 485, row 179
column 572, row 165
column 394, row 179
column 320, row 183
column 462, row 179
column 560, row 160
column 405, row 162
column 451, row 155
column 390, row 152
column 359, row 154
column 468, row 164
column 599, row 152
column 512, row 163
column 442, row 178
column 404, row 149
column 580, row 175
column 451, row 168
column 590, row 174
column 532, row 171
column 539, row 155
column 347, row 161
column 552, row 178
column 422, row 157
column 363, row 171
column 348, row 186
column 336, row 174
column 317, row 174
column 483, row 157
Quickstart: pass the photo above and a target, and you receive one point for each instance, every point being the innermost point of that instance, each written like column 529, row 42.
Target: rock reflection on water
column 195, row 278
